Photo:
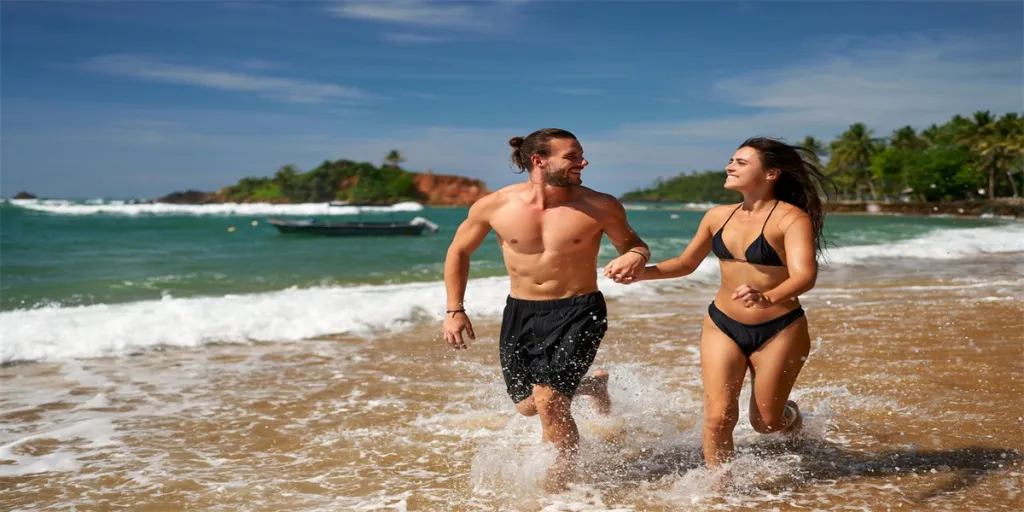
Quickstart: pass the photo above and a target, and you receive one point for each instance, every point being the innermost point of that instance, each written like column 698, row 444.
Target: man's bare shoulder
column 488, row 204
column 599, row 198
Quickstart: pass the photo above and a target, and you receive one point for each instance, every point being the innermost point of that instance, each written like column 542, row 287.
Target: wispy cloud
column 921, row 81
column 885, row 83
column 414, row 12
column 481, row 17
column 407, row 38
column 145, row 68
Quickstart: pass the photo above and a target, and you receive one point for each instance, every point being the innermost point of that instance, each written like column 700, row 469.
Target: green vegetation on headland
column 963, row 159
column 341, row 180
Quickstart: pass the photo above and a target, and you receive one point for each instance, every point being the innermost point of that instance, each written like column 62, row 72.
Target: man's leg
column 527, row 407
column 596, row 387
column 559, row 429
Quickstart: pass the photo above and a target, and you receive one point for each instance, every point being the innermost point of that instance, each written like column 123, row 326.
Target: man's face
column 565, row 165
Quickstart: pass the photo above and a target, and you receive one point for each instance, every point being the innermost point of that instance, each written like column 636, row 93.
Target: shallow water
column 911, row 394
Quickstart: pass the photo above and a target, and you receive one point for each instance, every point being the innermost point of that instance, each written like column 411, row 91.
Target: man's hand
column 751, row 297
column 454, row 324
column 626, row 268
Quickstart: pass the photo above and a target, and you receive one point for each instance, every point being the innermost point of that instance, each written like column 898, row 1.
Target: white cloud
column 417, row 13
column 884, row 82
column 145, row 68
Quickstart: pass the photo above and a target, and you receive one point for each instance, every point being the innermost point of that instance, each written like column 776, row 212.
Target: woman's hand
column 751, row 297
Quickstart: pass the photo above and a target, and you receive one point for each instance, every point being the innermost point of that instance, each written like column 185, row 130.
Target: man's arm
column 633, row 252
column 468, row 237
column 620, row 233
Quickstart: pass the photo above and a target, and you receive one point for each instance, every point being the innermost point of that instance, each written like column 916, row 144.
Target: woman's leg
column 776, row 365
column 723, row 367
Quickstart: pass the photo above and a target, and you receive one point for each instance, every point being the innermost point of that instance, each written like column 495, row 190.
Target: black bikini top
column 759, row 252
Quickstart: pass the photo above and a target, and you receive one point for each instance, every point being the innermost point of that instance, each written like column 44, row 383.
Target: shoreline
column 1000, row 209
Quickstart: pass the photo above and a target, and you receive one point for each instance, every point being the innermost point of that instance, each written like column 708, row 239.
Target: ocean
column 187, row 357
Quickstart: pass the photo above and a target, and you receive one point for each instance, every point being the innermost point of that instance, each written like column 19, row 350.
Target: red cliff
column 441, row 189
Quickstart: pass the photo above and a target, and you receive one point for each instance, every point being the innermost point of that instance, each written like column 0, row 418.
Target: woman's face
column 744, row 170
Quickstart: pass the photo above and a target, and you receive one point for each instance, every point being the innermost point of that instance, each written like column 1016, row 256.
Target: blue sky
column 138, row 99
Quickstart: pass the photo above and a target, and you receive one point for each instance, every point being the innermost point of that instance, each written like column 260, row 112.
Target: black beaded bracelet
column 642, row 255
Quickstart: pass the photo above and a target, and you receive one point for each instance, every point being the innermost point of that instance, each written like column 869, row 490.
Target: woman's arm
column 798, row 240
column 689, row 259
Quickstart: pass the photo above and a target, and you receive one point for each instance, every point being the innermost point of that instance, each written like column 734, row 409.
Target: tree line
column 981, row 156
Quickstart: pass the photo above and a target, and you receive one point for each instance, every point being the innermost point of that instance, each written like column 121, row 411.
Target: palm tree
column 982, row 135
column 394, row 157
column 1011, row 132
column 932, row 136
column 906, row 138
column 851, row 156
column 817, row 148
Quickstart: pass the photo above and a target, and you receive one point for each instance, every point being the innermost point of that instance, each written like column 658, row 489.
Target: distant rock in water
column 24, row 195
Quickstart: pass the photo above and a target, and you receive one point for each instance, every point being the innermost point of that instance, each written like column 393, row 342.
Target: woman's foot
column 793, row 419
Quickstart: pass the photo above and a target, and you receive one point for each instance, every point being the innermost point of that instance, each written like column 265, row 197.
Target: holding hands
column 627, row 268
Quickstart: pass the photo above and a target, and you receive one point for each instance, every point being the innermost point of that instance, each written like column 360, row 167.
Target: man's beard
column 561, row 179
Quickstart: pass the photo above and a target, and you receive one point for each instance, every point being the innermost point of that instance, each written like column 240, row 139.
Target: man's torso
column 549, row 252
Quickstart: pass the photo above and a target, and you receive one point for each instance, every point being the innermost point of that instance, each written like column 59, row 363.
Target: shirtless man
column 549, row 229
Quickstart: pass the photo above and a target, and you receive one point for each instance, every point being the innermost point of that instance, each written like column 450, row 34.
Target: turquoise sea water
column 85, row 280
column 68, row 259
column 153, row 357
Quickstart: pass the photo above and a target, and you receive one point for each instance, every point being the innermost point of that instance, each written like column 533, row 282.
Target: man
column 549, row 229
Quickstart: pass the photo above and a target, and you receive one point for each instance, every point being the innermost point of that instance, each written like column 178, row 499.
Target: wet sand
column 912, row 396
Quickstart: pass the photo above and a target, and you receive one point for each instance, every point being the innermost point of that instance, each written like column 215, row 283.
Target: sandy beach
column 912, row 396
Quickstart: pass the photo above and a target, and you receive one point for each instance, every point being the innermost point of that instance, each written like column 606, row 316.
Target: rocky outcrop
column 24, row 195
column 441, row 189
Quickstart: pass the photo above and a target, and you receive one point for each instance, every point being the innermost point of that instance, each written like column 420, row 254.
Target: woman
column 769, row 247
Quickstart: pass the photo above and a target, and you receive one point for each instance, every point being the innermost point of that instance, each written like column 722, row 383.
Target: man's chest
column 535, row 230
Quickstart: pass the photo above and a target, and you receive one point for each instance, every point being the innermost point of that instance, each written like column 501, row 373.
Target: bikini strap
column 769, row 216
column 730, row 217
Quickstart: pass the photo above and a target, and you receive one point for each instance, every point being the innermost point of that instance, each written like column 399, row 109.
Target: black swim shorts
column 551, row 342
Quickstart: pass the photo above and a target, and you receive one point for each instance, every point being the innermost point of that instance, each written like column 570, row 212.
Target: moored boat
column 313, row 226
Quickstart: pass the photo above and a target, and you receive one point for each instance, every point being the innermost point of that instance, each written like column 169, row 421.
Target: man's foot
column 559, row 475
column 720, row 478
column 793, row 419
column 599, row 393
